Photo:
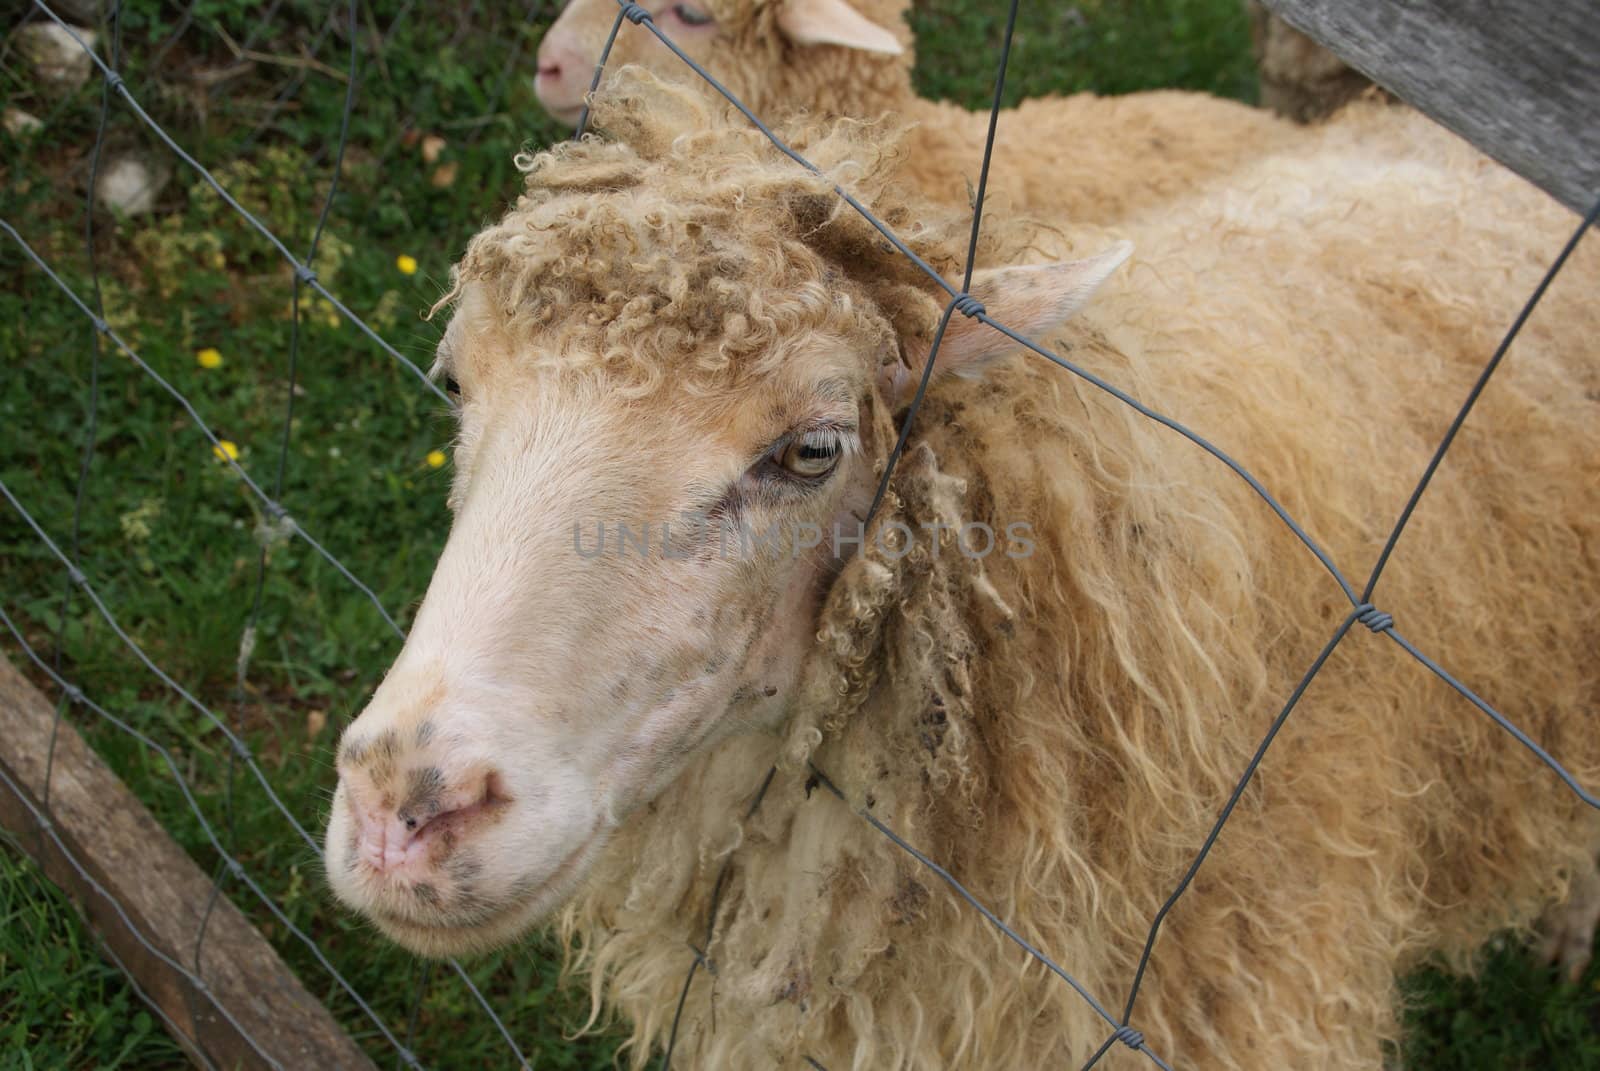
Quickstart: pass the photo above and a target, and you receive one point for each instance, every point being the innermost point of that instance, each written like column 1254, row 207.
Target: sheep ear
column 1032, row 301
column 834, row 22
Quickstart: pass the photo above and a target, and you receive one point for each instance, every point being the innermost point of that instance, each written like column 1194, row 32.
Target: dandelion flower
column 406, row 263
column 436, row 459
column 225, row 450
column 210, row 357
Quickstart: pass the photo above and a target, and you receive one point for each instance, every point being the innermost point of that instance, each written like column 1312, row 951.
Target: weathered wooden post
column 150, row 900
column 1520, row 79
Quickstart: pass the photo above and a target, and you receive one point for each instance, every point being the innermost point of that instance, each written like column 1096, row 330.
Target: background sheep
column 1082, row 157
column 1058, row 729
column 1299, row 78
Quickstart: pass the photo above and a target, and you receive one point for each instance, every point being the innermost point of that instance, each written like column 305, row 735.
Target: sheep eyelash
column 841, row 436
column 772, row 485
column 826, row 432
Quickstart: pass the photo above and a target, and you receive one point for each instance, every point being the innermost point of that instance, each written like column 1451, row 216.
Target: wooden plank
column 1520, row 79
column 162, row 895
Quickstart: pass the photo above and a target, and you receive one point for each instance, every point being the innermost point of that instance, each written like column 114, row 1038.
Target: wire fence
column 239, row 754
column 1120, row 1025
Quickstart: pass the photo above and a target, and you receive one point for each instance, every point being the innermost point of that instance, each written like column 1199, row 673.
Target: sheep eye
column 692, row 16
column 812, row 455
column 452, row 388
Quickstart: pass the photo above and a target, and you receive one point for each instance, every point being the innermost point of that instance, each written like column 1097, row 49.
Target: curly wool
column 633, row 257
column 1061, row 730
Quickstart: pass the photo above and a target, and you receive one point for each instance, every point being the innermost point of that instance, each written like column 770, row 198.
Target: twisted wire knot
column 73, row 693
column 1129, row 1037
column 114, row 82
column 240, row 748
column 1375, row 619
column 304, row 273
column 967, row 305
column 702, row 959
column 75, row 575
column 100, row 325
column 635, row 14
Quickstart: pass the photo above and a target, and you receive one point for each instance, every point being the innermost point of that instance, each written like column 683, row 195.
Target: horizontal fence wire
column 1362, row 611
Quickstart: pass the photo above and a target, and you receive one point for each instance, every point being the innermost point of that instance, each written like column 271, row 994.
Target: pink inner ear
column 834, row 22
column 1034, row 301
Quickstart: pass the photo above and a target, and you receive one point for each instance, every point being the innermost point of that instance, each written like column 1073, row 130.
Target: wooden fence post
column 162, row 896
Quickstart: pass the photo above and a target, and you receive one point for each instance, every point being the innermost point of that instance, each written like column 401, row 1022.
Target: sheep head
column 775, row 56
column 678, row 359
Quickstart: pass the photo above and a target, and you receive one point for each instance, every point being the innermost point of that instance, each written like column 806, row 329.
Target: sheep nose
column 395, row 830
column 560, row 81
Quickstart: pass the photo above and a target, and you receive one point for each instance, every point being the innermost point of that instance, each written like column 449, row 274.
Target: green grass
column 61, row 1004
column 1106, row 46
column 1517, row 1015
column 171, row 540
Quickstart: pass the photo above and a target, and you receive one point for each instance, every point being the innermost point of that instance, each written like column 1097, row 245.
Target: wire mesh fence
column 279, row 521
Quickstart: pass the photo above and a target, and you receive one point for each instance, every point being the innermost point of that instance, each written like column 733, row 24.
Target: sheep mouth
column 441, row 933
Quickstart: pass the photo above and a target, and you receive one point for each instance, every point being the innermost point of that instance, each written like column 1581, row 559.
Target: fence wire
column 238, row 751
column 1121, row 1030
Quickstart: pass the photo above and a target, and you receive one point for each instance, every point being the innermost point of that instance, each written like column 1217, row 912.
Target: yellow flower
column 406, row 263
column 225, row 450
column 436, row 459
column 209, row 357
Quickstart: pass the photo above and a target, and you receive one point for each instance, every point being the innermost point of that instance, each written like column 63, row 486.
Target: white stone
column 60, row 63
column 128, row 185
column 19, row 123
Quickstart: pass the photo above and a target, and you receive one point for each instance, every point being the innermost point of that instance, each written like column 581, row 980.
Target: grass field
column 173, row 543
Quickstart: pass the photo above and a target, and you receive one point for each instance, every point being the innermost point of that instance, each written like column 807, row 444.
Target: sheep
column 676, row 320
column 1300, row 79
column 1080, row 158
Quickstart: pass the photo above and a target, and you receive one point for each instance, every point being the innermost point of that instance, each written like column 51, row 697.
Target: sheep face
column 626, row 582
column 764, row 53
